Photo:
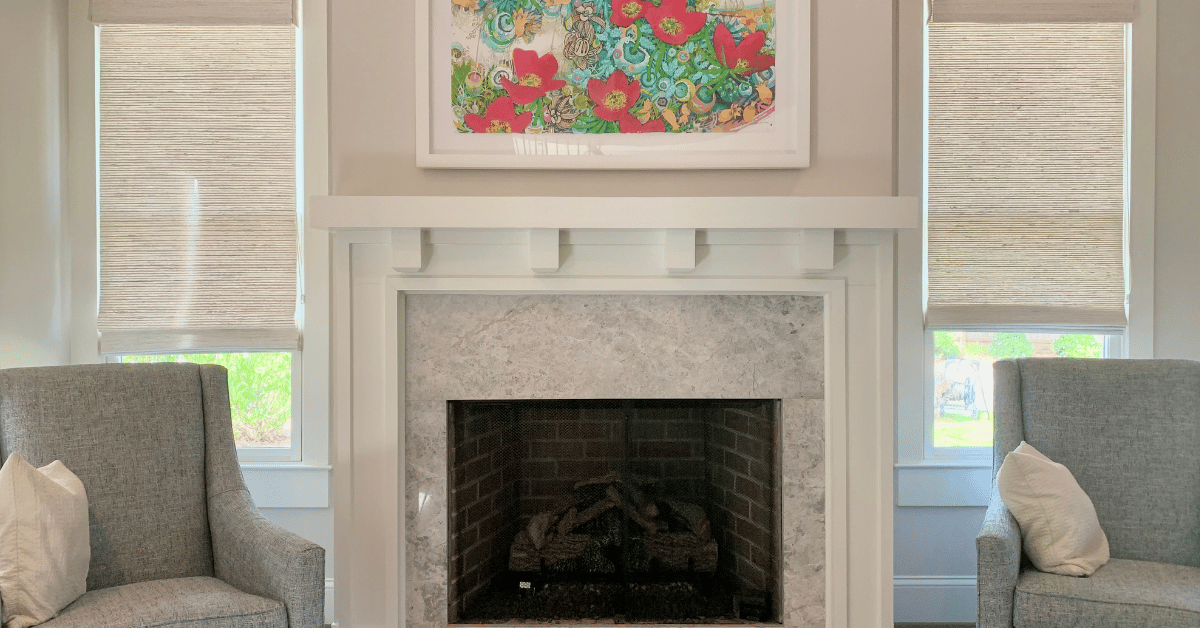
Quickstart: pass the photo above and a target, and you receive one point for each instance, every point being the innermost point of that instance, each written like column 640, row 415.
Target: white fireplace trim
column 367, row 395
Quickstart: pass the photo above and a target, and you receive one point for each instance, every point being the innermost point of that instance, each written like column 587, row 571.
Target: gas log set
column 609, row 526
column 613, row 549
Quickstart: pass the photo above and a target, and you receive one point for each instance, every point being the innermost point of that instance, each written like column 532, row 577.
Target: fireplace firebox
column 631, row 510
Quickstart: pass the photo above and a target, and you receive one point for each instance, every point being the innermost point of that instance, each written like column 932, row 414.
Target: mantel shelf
column 766, row 213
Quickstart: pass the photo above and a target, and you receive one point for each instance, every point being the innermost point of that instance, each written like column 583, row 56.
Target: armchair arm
column 259, row 557
column 999, row 550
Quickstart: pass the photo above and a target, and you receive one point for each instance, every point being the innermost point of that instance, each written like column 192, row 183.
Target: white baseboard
column 935, row 599
column 329, row 615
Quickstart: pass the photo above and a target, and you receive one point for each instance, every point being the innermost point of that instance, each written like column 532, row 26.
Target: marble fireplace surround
column 498, row 347
column 399, row 301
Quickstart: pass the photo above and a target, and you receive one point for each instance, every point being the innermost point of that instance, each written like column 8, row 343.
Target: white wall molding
column 279, row 485
column 816, row 250
column 943, row 484
column 936, row 599
column 330, row 602
column 679, row 250
column 1142, row 194
column 545, row 250
column 408, row 250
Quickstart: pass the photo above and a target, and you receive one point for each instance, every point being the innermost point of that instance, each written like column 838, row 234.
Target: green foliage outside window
column 260, row 393
column 1006, row 345
column 972, row 350
column 944, row 345
column 1077, row 346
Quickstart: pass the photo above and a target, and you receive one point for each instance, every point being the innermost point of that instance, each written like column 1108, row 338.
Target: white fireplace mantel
column 684, row 221
column 765, row 213
column 839, row 248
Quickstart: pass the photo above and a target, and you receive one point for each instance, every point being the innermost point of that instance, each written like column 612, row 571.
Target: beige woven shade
column 1032, row 11
column 194, row 12
column 1026, row 175
column 197, row 168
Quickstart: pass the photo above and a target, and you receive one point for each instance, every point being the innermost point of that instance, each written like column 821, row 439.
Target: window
column 199, row 199
column 1026, row 197
column 962, row 375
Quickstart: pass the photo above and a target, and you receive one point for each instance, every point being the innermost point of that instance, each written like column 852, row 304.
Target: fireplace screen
column 629, row 510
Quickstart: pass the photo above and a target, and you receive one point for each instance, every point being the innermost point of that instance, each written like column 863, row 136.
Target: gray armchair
column 175, row 539
column 1129, row 431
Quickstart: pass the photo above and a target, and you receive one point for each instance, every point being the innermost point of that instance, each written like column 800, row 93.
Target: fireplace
column 658, row 388
column 441, row 299
column 639, row 510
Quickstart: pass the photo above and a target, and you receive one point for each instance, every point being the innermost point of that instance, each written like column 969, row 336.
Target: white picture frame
column 784, row 144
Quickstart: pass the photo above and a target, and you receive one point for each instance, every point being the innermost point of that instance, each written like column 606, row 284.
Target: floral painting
column 612, row 66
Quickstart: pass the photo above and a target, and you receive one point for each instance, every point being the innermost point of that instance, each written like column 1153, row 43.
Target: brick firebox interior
column 512, row 460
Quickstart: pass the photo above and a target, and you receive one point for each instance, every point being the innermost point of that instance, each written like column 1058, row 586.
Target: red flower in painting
column 742, row 58
column 626, row 12
column 673, row 23
column 499, row 118
column 615, row 96
column 630, row 124
column 535, row 76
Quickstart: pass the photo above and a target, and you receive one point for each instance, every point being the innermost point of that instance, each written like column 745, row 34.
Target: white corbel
column 816, row 250
column 544, row 252
column 679, row 252
column 408, row 250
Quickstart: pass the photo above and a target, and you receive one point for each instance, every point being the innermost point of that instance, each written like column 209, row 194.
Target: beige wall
column 372, row 117
column 34, row 286
column 1177, row 164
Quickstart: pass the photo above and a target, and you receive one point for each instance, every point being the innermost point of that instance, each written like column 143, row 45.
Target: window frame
column 1113, row 349
column 299, row 479
column 926, row 477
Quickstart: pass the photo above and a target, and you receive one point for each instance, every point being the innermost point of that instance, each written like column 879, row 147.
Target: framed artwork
column 635, row 84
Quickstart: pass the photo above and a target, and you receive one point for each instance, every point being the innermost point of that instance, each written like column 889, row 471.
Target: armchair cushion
column 1121, row 593
column 197, row 602
column 1058, row 521
column 43, row 540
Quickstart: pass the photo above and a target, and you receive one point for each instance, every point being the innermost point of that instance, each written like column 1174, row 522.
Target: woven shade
column 197, row 165
column 194, row 12
column 1032, row 11
column 1026, row 174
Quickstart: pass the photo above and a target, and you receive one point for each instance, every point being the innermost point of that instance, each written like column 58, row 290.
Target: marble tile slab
column 614, row 346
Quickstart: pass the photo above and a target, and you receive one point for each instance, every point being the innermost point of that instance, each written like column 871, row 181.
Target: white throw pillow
column 1058, row 520
column 44, row 546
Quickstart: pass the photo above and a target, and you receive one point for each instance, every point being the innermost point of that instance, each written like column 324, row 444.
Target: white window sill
column 287, row 485
column 950, row 483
